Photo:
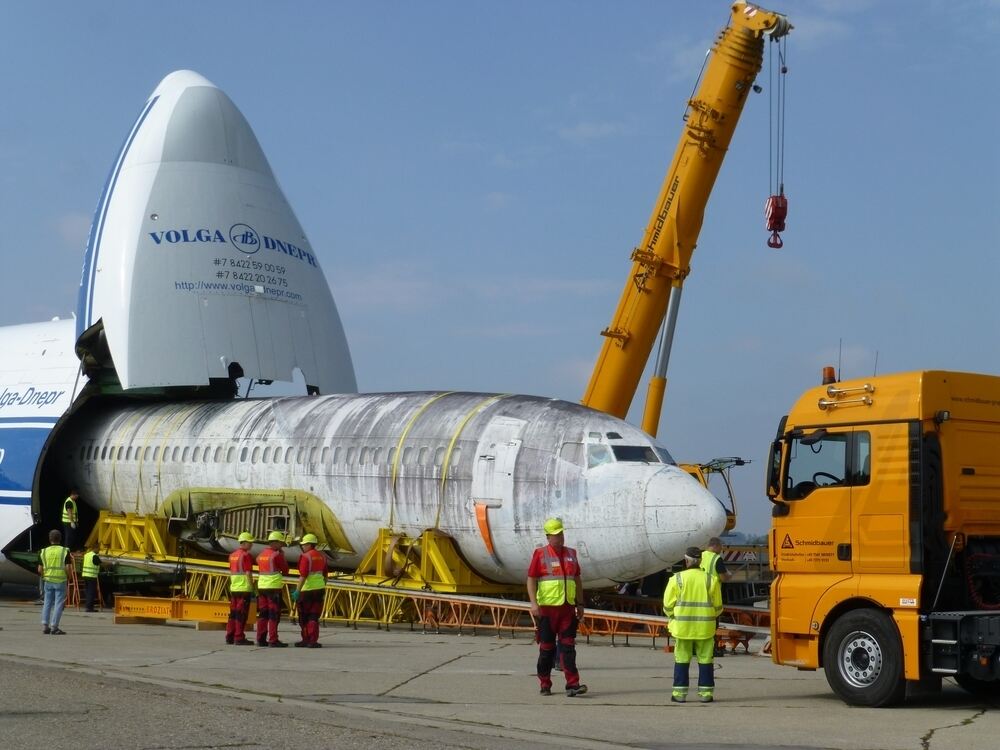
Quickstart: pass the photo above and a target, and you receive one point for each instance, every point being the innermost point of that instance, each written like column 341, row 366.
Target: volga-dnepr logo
column 244, row 238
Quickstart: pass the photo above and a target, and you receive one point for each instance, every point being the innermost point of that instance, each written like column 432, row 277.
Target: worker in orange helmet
column 271, row 566
column 310, row 591
column 240, row 591
column 556, row 595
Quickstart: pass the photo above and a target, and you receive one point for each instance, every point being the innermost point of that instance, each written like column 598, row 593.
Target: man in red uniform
column 271, row 566
column 240, row 591
column 556, row 595
column 310, row 591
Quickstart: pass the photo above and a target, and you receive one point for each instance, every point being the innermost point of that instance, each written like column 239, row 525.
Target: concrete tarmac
column 171, row 686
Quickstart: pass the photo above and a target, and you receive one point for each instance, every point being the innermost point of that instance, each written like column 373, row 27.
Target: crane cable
column 776, row 207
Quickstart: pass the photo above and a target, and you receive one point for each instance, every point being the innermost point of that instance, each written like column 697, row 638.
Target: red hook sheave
column 775, row 211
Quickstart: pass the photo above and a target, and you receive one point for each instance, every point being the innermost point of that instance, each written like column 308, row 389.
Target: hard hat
column 246, row 536
column 553, row 526
column 276, row 536
column 309, row 539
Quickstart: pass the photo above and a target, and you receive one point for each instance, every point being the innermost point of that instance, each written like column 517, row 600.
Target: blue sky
column 475, row 175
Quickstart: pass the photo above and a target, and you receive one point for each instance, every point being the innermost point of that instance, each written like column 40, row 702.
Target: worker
column 691, row 602
column 271, row 566
column 712, row 562
column 556, row 595
column 90, row 573
column 54, row 567
column 240, row 590
column 70, row 519
column 310, row 591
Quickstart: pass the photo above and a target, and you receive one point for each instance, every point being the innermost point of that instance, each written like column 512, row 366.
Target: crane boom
column 662, row 260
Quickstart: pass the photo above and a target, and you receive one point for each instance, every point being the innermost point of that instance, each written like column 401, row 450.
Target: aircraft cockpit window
column 572, row 452
column 664, row 455
column 614, row 436
column 599, row 454
column 636, row 453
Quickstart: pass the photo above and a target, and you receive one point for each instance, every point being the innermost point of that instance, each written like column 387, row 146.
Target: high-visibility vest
column 69, row 510
column 315, row 562
column 90, row 567
column 558, row 584
column 692, row 601
column 53, row 559
column 270, row 574
column 708, row 561
column 240, row 569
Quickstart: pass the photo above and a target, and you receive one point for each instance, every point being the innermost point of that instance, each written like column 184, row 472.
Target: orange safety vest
column 270, row 570
column 240, row 569
column 315, row 563
column 558, row 584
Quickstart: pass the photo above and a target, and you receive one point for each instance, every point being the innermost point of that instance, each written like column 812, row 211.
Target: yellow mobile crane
column 662, row 261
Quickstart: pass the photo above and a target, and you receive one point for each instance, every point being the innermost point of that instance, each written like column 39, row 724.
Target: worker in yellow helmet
column 556, row 595
column 240, row 591
column 54, row 566
column 691, row 602
column 271, row 566
column 310, row 591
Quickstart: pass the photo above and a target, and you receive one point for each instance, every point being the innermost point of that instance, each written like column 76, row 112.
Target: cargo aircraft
column 198, row 281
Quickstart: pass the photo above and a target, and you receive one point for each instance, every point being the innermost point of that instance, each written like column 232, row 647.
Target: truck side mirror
column 774, row 471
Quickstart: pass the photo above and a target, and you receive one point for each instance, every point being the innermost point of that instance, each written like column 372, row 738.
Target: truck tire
column 981, row 688
column 863, row 659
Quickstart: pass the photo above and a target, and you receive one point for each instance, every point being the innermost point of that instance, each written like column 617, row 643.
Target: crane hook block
column 775, row 211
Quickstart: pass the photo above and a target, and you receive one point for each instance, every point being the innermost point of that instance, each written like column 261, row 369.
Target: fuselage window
column 363, row 456
column 598, row 455
column 255, row 456
column 277, row 455
column 635, row 453
column 128, row 454
column 337, row 454
column 267, row 455
column 104, row 453
column 243, row 454
column 422, row 457
column 196, row 454
column 439, row 455
column 377, row 458
column 156, row 453
column 312, row 455
column 325, row 457
column 176, row 453
column 289, row 453
column 350, row 455
column 206, row 456
column 300, row 455
column 185, row 454
column 391, row 456
column 121, row 450
column 456, row 456
column 230, row 454
column 407, row 455
column 147, row 453
column 218, row 454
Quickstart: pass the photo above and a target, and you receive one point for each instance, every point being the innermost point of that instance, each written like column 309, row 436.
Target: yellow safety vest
column 69, row 510
column 558, row 584
column 90, row 568
column 53, row 559
column 692, row 601
column 708, row 560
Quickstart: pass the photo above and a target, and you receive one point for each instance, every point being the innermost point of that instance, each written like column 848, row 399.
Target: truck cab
column 885, row 534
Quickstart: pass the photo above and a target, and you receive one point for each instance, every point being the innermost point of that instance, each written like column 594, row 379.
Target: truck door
column 812, row 543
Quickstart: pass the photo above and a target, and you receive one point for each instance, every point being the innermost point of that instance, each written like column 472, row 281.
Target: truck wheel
column 982, row 688
column 863, row 659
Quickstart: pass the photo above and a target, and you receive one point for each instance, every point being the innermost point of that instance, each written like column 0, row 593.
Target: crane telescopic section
column 662, row 261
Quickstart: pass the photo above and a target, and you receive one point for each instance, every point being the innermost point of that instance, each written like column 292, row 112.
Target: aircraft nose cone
column 679, row 513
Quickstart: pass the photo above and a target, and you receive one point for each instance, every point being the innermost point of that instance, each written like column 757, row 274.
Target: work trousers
column 91, row 596
column 557, row 623
column 239, row 611
column 704, row 651
column 268, row 615
column 310, row 608
column 54, row 599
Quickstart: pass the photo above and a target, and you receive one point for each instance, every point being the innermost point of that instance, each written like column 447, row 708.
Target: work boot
column 314, row 645
column 45, row 630
column 57, row 631
column 300, row 644
column 277, row 644
column 545, row 691
column 678, row 699
column 229, row 640
column 242, row 642
column 706, row 698
column 572, row 692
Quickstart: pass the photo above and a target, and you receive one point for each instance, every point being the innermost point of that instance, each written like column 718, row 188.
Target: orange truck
column 885, row 534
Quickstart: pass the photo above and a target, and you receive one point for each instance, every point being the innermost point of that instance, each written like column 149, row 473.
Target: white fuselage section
column 411, row 462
